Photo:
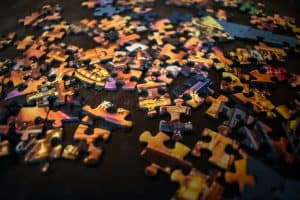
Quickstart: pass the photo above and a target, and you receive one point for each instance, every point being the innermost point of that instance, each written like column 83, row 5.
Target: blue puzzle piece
column 108, row 11
column 247, row 32
column 145, row 17
column 177, row 17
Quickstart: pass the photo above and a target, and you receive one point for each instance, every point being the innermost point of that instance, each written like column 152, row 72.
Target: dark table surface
column 120, row 174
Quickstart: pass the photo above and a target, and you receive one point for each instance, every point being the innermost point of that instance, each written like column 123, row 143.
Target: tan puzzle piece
column 156, row 143
column 116, row 118
column 96, row 76
column 167, row 50
column 98, row 54
column 43, row 149
column 176, row 111
column 215, row 105
column 80, row 134
column 216, row 146
column 94, row 152
column 259, row 101
column 4, row 148
column 27, row 41
column 240, row 175
column 195, row 186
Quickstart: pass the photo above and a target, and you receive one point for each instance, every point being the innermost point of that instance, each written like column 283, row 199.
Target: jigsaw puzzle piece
column 83, row 133
column 216, row 145
column 175, row 126
column 102, row 111
column 97, row 76
column 212, row 111
column 43, row 149
column 153, row 99
column 240, row 175
column 196, row 185
column 161, row 157
column 259, row 102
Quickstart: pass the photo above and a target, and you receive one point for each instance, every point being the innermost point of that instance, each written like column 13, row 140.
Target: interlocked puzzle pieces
column 161, row 157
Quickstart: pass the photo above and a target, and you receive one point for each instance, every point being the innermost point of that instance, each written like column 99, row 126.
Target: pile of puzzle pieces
column 136, row 50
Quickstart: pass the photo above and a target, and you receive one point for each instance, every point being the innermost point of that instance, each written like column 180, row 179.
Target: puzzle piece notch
column 172, row 57
column 232, row 82
column 161, row 157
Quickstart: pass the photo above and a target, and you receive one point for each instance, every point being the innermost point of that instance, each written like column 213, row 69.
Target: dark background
column 120, row 173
